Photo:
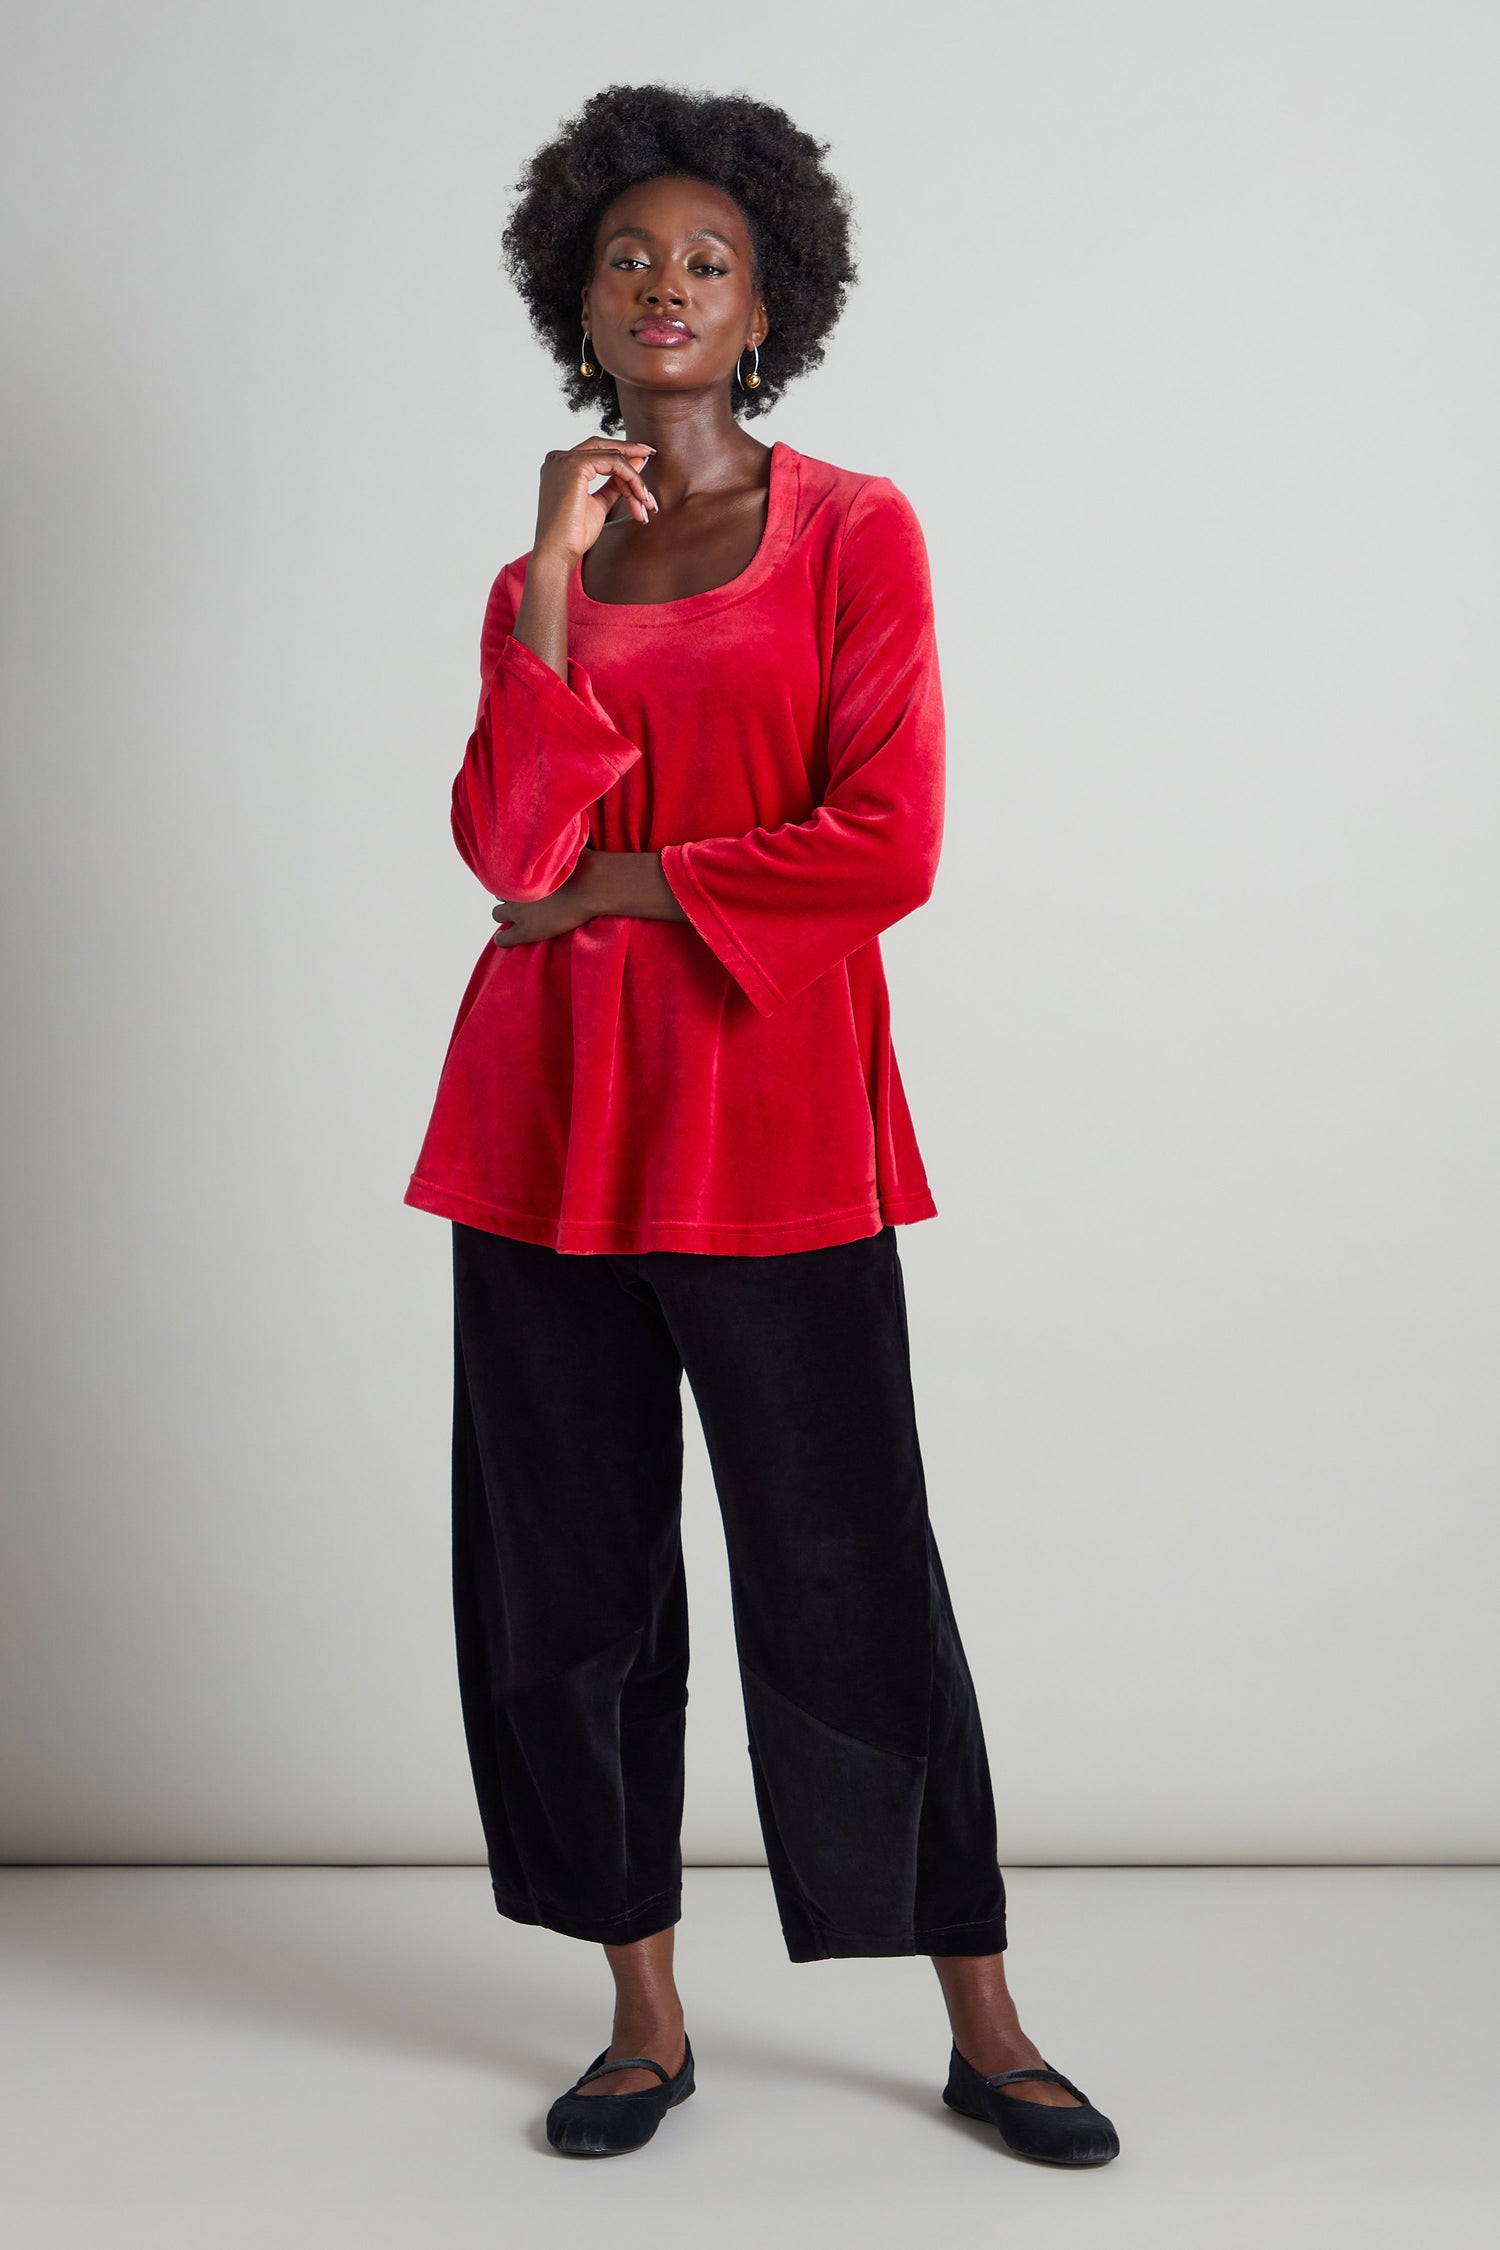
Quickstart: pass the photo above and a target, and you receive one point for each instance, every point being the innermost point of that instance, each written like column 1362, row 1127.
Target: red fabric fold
column 542, row 750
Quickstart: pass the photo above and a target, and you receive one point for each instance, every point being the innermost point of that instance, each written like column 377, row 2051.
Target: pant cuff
column 641, row 1920
column 806, row 1944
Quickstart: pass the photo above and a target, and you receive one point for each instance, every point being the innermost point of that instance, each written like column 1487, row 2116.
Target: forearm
column 542, row 619
column 625, row 883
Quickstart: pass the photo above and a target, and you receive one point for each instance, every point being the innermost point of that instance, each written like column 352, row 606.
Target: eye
column 627, row 260
column 705, row 267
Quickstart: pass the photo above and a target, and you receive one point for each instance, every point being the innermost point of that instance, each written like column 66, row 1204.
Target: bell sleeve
column 780, row 906
column 542, row 751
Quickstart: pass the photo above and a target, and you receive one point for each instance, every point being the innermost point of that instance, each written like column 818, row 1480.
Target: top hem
column 605, row 1237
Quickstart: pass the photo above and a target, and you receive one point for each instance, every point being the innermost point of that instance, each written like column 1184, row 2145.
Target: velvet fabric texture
column 866, row 1748
column 725, row 1084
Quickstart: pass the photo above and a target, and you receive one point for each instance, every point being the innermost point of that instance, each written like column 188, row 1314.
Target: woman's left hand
column 524, row 921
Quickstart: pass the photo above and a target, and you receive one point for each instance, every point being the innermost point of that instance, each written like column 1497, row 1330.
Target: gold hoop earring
column 750, row 382
column 586, row 365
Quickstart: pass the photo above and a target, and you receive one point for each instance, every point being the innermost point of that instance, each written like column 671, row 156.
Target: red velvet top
column 726, row 1083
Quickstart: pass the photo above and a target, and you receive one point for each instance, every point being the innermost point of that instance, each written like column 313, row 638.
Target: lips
column 661, row 332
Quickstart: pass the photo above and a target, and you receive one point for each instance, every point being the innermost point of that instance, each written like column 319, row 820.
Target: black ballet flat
column 1049, row 2134
column 610, row 2124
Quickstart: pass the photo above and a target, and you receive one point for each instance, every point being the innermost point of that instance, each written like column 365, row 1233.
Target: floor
column 218, row 2058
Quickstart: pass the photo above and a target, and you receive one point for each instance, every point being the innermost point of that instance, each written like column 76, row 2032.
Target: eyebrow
column 694, row 234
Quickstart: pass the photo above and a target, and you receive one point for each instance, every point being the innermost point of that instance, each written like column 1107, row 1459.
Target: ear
column 760, row 326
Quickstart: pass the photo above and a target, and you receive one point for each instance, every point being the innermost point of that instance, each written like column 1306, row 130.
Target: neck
column 699, row 445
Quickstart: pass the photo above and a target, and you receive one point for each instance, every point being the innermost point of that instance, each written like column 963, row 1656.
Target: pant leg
column 865, row 1740
column 570, row 1601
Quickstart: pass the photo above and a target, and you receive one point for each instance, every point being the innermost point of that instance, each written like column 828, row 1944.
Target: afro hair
column 798, row 214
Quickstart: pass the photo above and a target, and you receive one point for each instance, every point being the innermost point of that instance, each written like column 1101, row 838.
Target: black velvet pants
column 866, row 1750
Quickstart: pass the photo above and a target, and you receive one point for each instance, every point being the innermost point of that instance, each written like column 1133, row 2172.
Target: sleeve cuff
column 715, row 931
column 572, row 700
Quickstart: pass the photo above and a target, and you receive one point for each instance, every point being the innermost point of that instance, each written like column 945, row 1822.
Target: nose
column 666, row 289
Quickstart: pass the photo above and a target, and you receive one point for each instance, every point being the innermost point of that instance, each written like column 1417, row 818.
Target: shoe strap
column 1055, row 2077
column 599, row 2066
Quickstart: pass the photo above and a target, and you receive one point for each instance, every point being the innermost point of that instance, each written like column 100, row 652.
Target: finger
column 643, row 502
column 638, row 485
column 642, row 506
column 621, row 445
column 620, row 449
column 605, row 463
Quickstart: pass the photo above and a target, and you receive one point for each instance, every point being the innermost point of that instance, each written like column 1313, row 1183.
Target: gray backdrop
column 1179, row 326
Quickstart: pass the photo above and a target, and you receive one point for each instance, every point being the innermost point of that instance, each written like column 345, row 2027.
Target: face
column 672, row 301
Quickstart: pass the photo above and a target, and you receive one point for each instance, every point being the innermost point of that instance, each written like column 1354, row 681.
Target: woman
column 670, row 1133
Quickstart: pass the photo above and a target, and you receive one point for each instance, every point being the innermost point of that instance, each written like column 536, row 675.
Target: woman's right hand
column 569, row 518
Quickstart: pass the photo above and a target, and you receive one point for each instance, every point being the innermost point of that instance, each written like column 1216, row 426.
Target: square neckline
column 775, row 538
